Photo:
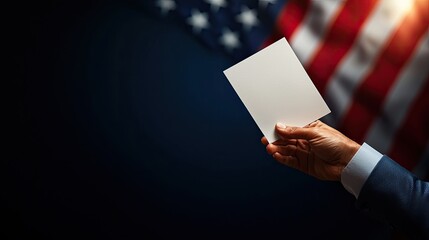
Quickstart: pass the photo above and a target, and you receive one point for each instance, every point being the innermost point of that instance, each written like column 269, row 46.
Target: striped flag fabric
column 368, row 58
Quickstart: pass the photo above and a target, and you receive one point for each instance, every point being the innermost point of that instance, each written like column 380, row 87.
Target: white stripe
column 399, row 100
column 358, row 63
column 312, row 29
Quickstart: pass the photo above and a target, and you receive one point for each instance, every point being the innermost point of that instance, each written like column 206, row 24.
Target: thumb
column 295, row 132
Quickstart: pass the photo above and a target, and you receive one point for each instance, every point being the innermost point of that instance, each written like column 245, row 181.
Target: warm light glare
column 401, row 6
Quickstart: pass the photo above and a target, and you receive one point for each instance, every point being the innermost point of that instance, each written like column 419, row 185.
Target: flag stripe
column 402, row 151
column 314, row 26
column 369, row 97
column 359, row 61
column 290, row 17
column 338, row 41
column 400, row 98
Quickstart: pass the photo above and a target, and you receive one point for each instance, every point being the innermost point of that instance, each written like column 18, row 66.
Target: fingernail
column 281, row 125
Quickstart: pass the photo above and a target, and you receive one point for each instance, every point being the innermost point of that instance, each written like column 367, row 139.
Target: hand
column 317, row 149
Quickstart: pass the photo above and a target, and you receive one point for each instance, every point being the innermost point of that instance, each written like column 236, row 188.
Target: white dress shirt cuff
column 359, row 168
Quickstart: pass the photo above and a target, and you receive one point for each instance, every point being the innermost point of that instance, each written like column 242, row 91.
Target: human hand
column 316, row 149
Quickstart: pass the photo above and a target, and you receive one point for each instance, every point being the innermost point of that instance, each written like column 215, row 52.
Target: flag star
column 166, row 5
column 216, row 4
column 264, row 3
column 248, row 18
column 230, row 40
column 198, row 20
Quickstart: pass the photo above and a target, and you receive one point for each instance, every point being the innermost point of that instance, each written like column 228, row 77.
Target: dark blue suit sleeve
column 393, row 194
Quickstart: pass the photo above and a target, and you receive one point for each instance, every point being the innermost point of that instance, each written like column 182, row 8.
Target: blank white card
column 274, row 87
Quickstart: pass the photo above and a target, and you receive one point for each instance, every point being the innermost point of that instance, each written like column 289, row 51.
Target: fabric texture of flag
column 368, row 58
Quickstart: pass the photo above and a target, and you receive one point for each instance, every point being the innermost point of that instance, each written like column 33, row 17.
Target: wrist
column 351, row 149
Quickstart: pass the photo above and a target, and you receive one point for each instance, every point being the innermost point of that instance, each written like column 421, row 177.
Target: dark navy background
column 125, row 127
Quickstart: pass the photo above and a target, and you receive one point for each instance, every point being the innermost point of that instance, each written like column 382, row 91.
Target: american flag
column 368, row 58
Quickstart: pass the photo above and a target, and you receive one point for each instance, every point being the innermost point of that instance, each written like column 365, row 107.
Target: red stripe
column 370, row 95
column 338, row 40
column 410, row 140
column 289, row 19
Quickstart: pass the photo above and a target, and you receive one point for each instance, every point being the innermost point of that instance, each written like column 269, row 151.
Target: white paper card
column 274, row 87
